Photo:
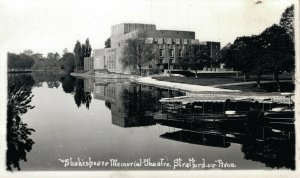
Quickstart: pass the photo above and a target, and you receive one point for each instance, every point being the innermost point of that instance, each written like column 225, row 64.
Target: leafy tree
column 86, row 49
column 19, row 61
column 35, row 61
column 65, row 50
column 28, row 52
column 107, row 43
column 53, row 56
column 68, row 61
column 194, row 58
column 228, row 56
column 51, row 62
column 243, row 55
column 18, row 140
column 287, row 21
column 77, row 52
column 277, row 50
column 81, row 51
column 37, row 56
column 137, row 53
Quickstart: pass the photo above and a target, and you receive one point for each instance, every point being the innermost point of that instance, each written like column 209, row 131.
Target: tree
column 240, row 55
column 107, row 43
column 18, row 134
column 77, row 52
column 228, row 56
column 28, row 52
column 194, row 58
column 278, row 50
column 65, row 50
column 81, row 51
column 19, row 61
column 137, row 53
column 287, row 21
column 88, row 48
column 53, row 56
column 68, row 61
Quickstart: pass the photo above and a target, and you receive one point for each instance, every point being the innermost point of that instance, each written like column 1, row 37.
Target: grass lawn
column 209, row 81
column 265, row 87
column 199, row 81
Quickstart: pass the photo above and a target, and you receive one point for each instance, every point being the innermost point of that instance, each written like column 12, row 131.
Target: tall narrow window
column 161, row 52
column 180, row 52
column 171, row 52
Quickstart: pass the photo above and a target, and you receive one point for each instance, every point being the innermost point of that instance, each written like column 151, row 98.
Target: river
column 84, row 120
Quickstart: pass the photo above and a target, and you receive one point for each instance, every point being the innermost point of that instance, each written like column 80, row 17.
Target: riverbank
column 180, row 86
column 195, row 85
column 31, row 71
column 233, row 83
column 103, row 75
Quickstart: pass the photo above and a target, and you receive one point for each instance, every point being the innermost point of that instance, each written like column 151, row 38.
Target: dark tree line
column 28, row 60
column 19, row 61
column 272, row 51
column 35, row 61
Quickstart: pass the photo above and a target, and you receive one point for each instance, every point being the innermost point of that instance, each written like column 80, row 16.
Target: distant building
column 88, row 63
column 99, row 59
column 168, row 44
column 213, row 50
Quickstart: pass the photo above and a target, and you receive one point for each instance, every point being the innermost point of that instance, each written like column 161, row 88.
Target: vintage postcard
column 143, row 88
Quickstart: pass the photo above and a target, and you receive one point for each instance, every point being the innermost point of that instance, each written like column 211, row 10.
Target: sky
column 52, row 25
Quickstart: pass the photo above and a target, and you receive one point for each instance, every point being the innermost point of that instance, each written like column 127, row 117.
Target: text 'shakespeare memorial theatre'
column 168, row 46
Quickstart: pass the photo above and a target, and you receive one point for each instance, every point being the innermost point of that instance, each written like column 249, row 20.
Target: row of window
column 111, row 59
column 111, row 66
column 171, row 52
column 170, row 61
column 172, row 41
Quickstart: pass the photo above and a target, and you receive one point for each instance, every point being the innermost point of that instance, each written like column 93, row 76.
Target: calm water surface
column 80, row 118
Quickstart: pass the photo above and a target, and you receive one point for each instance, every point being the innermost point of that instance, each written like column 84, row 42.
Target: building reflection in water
column 131, row 105
column 134, row 105
column 18, row 132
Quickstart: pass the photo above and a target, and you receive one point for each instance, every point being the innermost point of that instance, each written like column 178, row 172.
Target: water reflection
column 68, row 83
column 81, row 96
column 133, row 105
column 18, row 103
column 273, row 147
column 52, row 79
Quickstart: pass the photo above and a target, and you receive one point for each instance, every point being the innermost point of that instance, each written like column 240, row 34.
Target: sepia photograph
column 133, row 88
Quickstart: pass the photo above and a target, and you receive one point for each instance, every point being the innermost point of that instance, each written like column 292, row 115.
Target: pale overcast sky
column 52, row 25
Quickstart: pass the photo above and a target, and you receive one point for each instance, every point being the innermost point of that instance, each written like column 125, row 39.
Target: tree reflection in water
column 50, row 78
column 18, row 103
column 274, row 149
column 273, row 146
column 68, row 83
column 81, row 96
